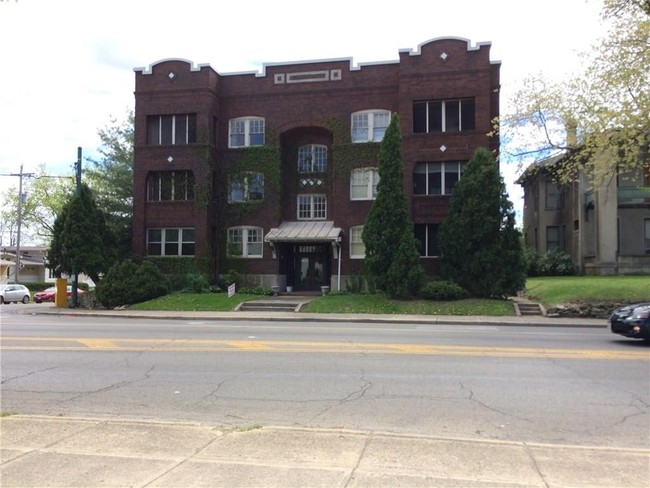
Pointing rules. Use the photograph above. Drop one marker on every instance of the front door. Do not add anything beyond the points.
(311, 267)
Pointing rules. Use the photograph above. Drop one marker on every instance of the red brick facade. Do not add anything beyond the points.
(303, 103)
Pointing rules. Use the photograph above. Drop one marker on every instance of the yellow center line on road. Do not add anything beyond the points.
(207, 345)
(98, 343)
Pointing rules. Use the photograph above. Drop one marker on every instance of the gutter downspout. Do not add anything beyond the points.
(338, 279)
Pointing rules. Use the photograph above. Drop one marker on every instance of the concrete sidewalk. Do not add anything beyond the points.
(65, 452)
(530, 321)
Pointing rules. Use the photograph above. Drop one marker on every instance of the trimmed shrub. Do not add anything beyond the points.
(443, 290)
(533, 262)
(557, 262)
(196, 283)
(126, 283)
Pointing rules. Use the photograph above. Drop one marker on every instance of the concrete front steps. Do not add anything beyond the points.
(524, 308)
(282, 303)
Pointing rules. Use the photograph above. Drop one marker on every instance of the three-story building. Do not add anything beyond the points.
(273, 173)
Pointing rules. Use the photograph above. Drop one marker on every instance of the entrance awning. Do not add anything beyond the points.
(318, 231)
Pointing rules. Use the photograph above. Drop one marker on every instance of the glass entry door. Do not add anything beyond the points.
(311, 267)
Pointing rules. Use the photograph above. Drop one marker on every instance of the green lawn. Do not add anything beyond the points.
(333, 303)
(195, 302)
(548, 290)
(554, 290)
(380, 304)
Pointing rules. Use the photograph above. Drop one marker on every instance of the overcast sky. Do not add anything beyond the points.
(67, 65)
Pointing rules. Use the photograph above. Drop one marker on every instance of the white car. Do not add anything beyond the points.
(14, 293)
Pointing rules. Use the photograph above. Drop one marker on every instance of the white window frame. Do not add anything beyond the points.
(245, 127)
(371, 177)
(367, 121)
(246, 234)
(315, 205)
(246, 187)
(163, 240)
(356, 242)
(315, 166)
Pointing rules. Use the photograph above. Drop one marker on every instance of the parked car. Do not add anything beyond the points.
(14, 293)
(47, 295)
(631, 321)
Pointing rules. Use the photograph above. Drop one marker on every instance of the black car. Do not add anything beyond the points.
(631, 321)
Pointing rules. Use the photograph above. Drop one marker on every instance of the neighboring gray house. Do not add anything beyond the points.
(33, 267)
(604, 227)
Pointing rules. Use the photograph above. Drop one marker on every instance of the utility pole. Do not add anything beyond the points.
(20, 215)
(75, 281)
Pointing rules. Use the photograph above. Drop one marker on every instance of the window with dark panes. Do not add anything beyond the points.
(166, 182)
(436, 178)
(443, 115)
(170, 242)
(187, 246)
(419, 117)
(171, 129)
(154, 242)
(427, 236)
(170, 185)
(552, 237)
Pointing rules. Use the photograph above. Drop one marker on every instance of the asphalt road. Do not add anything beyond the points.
(549, 385)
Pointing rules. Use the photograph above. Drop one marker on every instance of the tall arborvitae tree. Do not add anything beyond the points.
(111, 179)
(392, 260)
(479, 244)
(82, 242)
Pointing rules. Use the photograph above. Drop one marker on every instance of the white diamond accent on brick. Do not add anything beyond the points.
(444, 56)
(443, 148)
(170, 159)
(171, 75)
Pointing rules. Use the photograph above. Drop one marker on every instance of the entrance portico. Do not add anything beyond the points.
(306, 252)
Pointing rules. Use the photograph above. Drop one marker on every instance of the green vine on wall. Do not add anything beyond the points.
(347, 155)
(203, 190)
(266, 160)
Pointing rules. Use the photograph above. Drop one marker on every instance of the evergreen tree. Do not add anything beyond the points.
(479, 244)
(82, 242)
(392, 260)
(111, 179)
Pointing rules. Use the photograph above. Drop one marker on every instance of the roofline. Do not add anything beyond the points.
(262, 72)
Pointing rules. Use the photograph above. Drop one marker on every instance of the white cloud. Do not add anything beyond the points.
(68, 64)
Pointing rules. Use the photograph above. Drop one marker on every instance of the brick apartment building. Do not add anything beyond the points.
(272, 174)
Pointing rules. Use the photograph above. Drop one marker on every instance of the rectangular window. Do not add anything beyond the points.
(171, 129)
(552, 237)
(246, 131)
(246, 187)
(437, 178)
(312, 207)
(427, 236)
(646, 235)
(245, 242)
(360, 127)
(170, 242)
(312, 158)
(237, 133)
(363, 184)
(170, 186)
(553, 200)
(357, 247)
(443, 115)
(369, 125)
